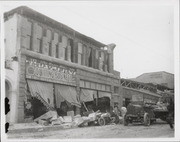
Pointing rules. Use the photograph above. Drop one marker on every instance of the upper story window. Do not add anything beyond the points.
(116, 89)
(80, 52)
(90, 57)
(45, 40)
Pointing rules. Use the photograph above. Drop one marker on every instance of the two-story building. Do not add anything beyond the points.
(50, 66)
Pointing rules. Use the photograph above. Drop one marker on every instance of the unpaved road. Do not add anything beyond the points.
(160, 130)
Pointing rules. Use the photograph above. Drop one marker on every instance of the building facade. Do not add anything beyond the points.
(49, 63)
(162, 78)
(138, 92)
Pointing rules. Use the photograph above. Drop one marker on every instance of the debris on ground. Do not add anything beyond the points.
(52, 118)
(43, 122)
(47, 116)
(57, 121)
(67, 119)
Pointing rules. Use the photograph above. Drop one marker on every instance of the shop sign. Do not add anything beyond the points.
(45, 71)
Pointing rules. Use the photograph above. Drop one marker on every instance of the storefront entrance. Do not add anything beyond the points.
(47, 96)
(93, 100)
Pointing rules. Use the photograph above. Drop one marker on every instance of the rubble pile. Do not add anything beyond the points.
(51, 118)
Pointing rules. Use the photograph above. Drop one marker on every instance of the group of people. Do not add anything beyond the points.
(117, 113)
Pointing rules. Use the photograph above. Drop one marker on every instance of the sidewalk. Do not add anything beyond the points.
(34, 127)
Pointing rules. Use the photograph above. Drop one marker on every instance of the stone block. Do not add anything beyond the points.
(56, 122)
(67, 119)
(43, 122)
(47, 116)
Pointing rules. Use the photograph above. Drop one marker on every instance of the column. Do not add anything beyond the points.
(88, 52)
(61, 51)
(84, 55)
(64, 47)
(75, 51)
(69, 51)
(13, 107)
(36, 37)
(54, 44)
(110, 49)
(46, 42)
(96, 59)
(80, 53)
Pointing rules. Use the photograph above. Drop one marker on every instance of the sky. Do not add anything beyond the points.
(143, 31)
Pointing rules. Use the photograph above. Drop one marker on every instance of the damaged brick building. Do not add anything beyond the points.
(51, 66)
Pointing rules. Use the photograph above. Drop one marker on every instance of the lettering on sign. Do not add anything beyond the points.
(42, 70)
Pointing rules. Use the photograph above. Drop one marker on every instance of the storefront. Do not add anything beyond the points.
(95, 98)
(52, 84)
(58, 68)
(138, 96)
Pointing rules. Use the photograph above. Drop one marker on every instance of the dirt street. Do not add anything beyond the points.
(160, 130)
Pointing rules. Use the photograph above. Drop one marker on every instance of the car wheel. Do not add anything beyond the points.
(101, 121)
(147, 120)
(125, 120)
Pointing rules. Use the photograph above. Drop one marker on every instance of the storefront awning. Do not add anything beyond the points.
(67, 93)
(104, 94)
(87, 95)
(42, 91)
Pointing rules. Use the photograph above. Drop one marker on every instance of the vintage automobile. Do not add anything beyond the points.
(102, 119)
(139, 113)
(147, 113)
(164, 109)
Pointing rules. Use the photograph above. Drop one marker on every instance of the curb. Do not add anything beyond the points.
(39, 129)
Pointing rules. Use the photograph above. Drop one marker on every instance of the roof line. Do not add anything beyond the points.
(26, 11)
(154, 72)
